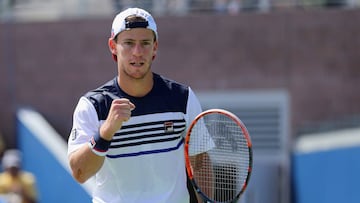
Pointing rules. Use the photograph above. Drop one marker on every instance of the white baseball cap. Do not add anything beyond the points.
(120, 24)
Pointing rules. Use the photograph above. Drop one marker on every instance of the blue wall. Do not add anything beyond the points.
(54, 183)
(327, 176)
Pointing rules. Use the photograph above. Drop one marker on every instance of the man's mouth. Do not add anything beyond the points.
(137, 64)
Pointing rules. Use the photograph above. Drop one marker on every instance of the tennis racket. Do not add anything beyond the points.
(218, 156)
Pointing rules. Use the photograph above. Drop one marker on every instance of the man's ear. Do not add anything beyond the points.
(155, 50)
(112, 46)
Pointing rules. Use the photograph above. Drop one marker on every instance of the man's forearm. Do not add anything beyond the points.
(84, 163)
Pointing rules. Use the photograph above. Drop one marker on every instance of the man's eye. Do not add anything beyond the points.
(128, 43)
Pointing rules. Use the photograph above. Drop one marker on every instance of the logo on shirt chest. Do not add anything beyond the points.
(169, 127)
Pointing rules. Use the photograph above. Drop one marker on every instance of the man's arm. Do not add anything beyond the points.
(203, 172)
(84, 163)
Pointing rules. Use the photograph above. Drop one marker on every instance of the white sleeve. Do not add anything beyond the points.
(193, 107)
(85, 124)
(193, 110)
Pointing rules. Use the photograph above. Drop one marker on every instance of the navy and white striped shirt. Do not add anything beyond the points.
(145, 162)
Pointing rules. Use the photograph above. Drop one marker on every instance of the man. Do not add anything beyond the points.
(17, 185)
(129, 133)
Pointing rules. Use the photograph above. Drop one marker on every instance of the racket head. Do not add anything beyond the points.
(230, 155)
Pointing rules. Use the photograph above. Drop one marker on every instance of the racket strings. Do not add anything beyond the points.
(228, 161)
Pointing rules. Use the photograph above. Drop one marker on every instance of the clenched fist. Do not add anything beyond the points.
(120, 111)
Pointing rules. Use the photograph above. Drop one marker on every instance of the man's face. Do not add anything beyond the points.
(135, 50)
(14, 170)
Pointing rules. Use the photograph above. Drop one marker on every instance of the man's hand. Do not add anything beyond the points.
(120, 111)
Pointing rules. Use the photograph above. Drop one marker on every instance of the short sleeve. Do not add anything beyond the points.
(85, 124)
(202, 137)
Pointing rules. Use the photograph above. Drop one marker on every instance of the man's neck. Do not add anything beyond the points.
(136, 87)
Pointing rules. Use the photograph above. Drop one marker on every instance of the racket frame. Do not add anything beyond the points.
(187, 156)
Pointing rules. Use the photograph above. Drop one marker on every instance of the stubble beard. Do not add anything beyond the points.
(136, 76)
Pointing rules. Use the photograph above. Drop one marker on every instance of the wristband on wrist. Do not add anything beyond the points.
(99, 145)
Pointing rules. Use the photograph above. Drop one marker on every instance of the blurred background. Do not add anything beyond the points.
(290, 69)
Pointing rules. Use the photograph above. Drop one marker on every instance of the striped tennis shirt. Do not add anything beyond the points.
(145, 162)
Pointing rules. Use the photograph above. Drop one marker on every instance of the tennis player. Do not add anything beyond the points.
(129, 133)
